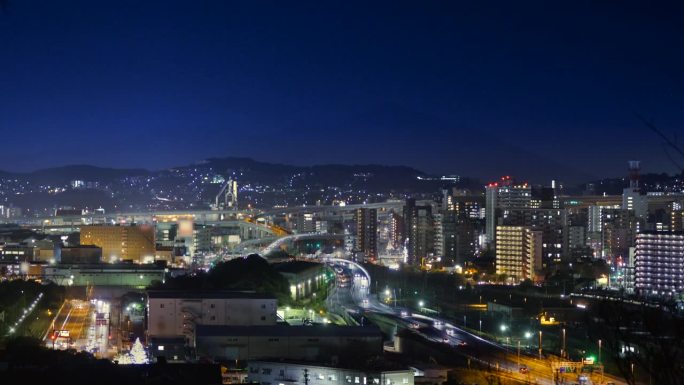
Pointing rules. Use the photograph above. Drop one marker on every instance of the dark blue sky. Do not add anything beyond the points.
(535, 89)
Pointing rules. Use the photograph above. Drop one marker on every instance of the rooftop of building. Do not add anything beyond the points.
(374, 364)
(208, 294)
(110, 266)
(81, 247)
(295, 267)
(288, 331)
(663, 233)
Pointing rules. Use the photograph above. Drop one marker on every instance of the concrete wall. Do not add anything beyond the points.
(167, 315)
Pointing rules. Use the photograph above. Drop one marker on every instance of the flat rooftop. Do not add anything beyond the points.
(287, 331)
(108, 267)
(375, 365)
(208, 294)
(295, 267)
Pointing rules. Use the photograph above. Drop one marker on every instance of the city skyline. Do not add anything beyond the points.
(547, 92)
(334, 193)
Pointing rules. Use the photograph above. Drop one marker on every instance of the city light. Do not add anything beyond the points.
(237, 186)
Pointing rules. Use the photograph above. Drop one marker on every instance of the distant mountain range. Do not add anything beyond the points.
(65, 174)
(195, 185)
(244, 169)
(261, 185)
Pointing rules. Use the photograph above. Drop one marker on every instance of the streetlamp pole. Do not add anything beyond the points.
(563, 352)
(480, 326)
(540, 344)
(464, 321)
(599, 356)
(518, 352)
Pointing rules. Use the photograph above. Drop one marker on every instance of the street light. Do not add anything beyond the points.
(563, 353)
(599, 361)
(540, 344)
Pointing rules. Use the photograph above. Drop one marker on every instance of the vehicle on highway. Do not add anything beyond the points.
(524, 370)
(450, 332)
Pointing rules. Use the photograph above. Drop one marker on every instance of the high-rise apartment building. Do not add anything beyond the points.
(677, 217)
(130, 243)
(396, 230)
(551, 222)
(659, 263)
(367, 232)
(619, 229)
(632, 197)
(504, 195)
(418, 230)
(518, 252)
(458, 238)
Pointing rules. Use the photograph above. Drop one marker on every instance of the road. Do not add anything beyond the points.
(354, 297)
(69, 326)
(80, 325)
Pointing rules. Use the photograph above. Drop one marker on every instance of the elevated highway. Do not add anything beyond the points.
(199, 216)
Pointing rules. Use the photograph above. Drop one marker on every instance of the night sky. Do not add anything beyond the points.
(538, 90)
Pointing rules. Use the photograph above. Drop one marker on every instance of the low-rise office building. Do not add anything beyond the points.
(176, 313)
(88, 254)
(303, 373)
(104, 274)
(304, 277)
(318, 342)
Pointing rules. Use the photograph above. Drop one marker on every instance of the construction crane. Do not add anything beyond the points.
(227, 196)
